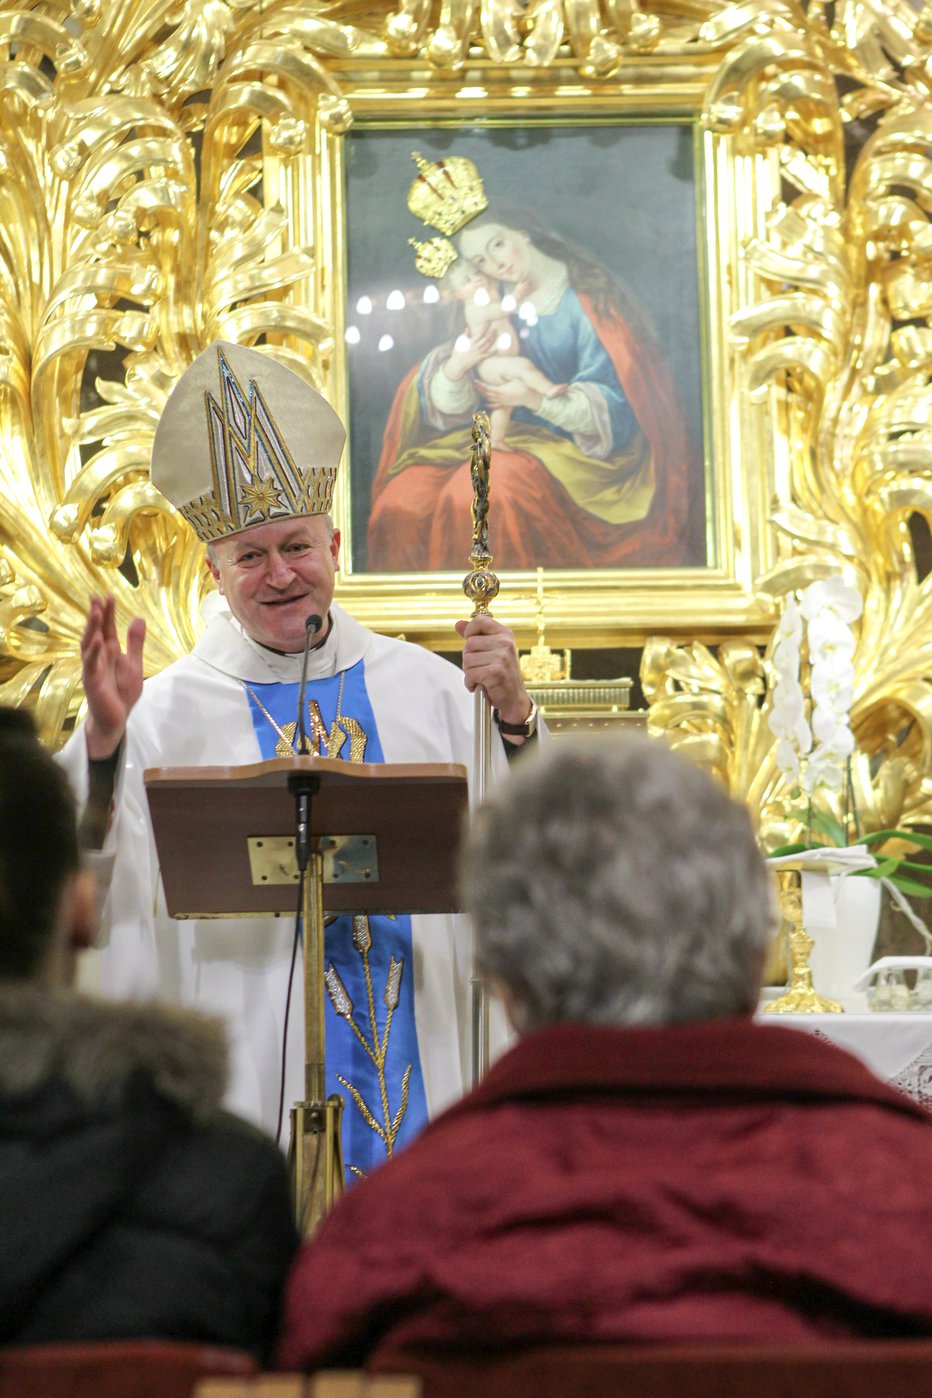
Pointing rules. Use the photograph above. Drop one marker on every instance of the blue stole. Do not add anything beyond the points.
(371, 1034)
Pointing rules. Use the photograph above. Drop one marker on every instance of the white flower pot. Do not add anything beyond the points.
(842, 952)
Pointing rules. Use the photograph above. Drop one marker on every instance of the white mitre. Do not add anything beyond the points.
(243, 441)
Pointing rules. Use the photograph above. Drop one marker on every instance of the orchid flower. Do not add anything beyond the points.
(787, 718)
(829, 607)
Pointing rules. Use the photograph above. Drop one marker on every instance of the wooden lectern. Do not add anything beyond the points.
(382, 839)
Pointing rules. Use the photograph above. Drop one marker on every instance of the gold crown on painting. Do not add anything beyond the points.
(434, 258)
(446, 193)
(255, 478)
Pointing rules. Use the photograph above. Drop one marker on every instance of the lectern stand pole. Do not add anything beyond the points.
(316, 1151)
(226, 838)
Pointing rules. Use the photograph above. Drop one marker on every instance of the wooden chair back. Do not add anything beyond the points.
(116, 1369)
(837, 1369)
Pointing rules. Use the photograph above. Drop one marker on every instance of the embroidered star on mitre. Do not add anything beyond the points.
(261, 497)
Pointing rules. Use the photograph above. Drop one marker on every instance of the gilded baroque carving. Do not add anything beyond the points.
(843, 334)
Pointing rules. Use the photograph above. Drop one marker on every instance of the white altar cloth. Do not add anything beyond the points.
(897, 1047)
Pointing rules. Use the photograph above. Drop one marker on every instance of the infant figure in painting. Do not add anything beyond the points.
(487, 324)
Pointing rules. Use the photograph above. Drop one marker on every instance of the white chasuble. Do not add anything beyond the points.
(397, 1003)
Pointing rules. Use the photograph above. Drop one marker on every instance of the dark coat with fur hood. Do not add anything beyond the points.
(132, 1205)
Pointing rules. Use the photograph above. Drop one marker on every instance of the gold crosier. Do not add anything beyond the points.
(330, 744)
(446, 195)
(481, 587)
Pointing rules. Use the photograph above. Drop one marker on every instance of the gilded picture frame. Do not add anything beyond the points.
(708, 589)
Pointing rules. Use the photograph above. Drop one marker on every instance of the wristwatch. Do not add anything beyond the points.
(527, 729)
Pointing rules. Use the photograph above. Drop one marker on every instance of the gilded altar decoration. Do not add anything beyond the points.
(172, 175)
(540, 664)
(801, 996)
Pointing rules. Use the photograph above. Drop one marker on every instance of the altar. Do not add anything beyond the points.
(896, 1047)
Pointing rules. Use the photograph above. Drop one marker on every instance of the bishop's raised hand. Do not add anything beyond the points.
(112, 677)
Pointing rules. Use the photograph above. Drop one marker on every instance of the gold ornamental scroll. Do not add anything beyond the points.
(481, 587)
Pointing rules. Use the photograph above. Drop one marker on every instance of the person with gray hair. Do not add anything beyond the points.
(647, 1162)
(593, 886)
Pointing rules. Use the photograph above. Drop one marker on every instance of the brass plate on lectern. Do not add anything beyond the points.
(346, 859)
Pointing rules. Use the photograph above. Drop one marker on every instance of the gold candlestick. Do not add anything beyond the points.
(801, 996)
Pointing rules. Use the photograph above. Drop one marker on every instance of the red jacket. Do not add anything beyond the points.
(724, 1181)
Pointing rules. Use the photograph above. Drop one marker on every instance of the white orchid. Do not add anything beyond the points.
(831, 733)
(787, 758)
(832, 688)
(787, 719)
(824, 738)
(786, 657)
(790, 625)
(828, 636)
(834, 596)
(822, 772)
(814, 737)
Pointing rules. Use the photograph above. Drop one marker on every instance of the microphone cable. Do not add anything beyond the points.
(298, 933)
(298, 930)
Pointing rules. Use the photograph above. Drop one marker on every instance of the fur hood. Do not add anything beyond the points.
(95, 1047)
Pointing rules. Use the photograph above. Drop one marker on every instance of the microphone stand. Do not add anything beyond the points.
(312, 625)
(315, 1154)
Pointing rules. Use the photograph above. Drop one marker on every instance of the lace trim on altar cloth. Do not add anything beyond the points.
(914, 1079)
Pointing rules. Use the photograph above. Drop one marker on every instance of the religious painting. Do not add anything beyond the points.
(549, 274)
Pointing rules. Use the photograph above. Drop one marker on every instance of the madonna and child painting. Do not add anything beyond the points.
(564, 304)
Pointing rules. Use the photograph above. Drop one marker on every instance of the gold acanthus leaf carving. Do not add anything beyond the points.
(837, 342)
(134, 230)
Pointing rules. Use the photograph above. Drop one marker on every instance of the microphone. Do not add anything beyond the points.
(312, 625)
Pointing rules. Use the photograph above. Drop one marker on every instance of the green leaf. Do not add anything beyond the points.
(800, 847)
(915, 890)
(921, 841)
(912, 864)
(884, 870)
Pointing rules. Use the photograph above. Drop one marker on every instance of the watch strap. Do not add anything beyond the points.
(517, 730)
